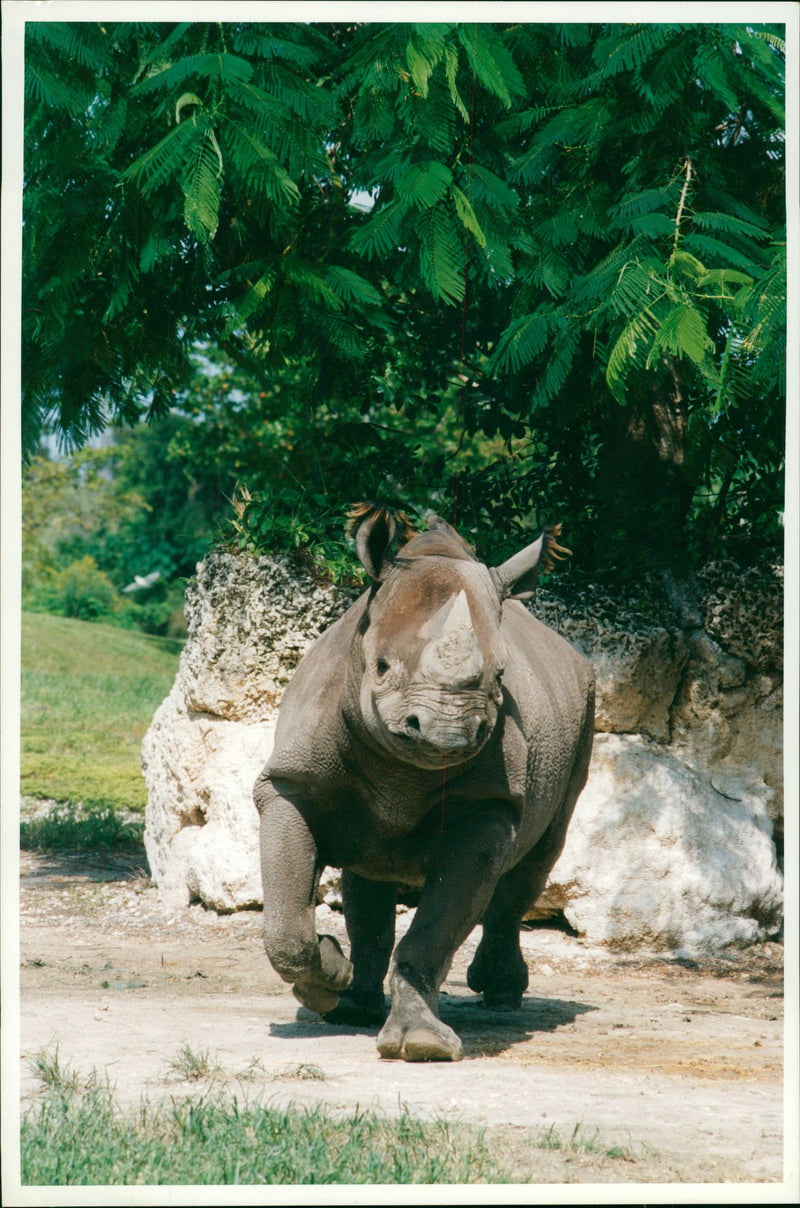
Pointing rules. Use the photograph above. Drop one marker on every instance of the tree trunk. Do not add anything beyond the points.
(644, 492)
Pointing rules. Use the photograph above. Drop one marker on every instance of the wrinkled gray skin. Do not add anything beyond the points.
(437, 735)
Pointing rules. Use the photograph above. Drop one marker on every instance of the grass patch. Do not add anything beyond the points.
(581, 1141)
(191, 1065)
(79, 1137)
(89, 692)
(53, 1075)
(302, 1072)
(69, 828)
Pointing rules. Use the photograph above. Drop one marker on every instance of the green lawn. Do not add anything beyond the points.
(80, 1137)
(89, 692)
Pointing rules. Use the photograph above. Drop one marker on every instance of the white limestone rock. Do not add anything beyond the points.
(201, 827)
(250, 621)
(656, 856)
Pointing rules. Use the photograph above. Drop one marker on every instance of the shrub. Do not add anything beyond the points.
(81, 590)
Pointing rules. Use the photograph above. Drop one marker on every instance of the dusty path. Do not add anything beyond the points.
(671, 1072)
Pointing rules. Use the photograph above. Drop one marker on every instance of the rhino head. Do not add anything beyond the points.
(433, 655)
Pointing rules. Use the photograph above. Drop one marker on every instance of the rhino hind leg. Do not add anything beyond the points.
(498, 969)
(369, 912)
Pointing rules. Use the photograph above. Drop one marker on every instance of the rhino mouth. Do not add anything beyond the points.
(433, 746)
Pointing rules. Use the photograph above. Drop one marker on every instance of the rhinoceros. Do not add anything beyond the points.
(437, 735)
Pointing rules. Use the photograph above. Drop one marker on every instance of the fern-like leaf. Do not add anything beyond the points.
(683, 332)
(548, 270)
(467, 215)
(711, 67)
(708, 249)
(351, 287)
(565, 342)
(451, 75)
(50, 89)
(424, 52)
(491, 190)
(312, 282)
(522, 341)
(423, 185)
(441, 256)
(628, 48)
(224, 67)
(251, 302)
(163, 161)
(260, 167)
(253, 39)
(491, 62)
(201, 207)
(636, 291)
(380, 234)
(728, 224)
(342, 334)
(629, 350)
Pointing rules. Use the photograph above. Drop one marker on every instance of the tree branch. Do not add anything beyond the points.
(682, 202)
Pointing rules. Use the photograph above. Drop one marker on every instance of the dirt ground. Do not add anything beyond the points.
(644, 1068)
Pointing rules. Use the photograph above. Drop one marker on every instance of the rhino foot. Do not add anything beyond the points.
(501, 976)
(367, 1008)
(430, 1040)
(315, 997)
(320, 989)
(504, 1000)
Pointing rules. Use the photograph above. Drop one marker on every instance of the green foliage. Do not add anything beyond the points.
(89, 692)
(95, 521)
(76, 1136)
(66, 828)
(80, 590)
(296, 522)
(574, 247)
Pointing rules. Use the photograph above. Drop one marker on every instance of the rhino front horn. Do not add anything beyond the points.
(452, 654)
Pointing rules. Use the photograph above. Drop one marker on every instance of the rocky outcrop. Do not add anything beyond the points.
(250, 620)
(655, 855)
(672, 840)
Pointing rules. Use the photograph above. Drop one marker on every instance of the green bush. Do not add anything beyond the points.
(81, 591)
(299, 523)
(67, 828)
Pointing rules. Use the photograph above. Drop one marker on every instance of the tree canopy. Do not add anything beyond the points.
(516, 271)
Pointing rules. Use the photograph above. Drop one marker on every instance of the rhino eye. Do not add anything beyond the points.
(381, 666)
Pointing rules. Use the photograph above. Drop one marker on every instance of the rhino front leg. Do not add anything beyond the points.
(472, 852)
(290, 871)
(369, 914)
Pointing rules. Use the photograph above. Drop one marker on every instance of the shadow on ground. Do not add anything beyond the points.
(44, 869)
(482, 1031)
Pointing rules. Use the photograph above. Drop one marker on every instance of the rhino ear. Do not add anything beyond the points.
(373, 528)
(517, 578)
